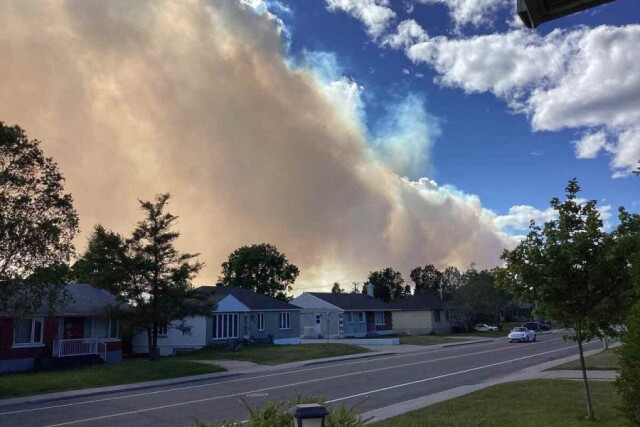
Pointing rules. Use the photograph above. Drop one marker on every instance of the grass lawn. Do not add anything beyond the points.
(265, 354)
(129, 371)
(524, 403)
(603, 361)
(427, 339)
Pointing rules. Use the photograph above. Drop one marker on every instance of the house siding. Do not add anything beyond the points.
(175, 339)
(420, 322)
(329, 321)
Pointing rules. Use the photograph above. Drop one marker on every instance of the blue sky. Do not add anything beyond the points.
(483, 147)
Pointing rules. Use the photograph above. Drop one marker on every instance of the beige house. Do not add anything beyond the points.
(420, 314)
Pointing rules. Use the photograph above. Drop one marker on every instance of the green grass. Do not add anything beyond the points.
(427, 339)
(265, 354)
(525, 404)
(127, 372)
(604, 361)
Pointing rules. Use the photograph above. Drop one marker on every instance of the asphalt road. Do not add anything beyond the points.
(371, 383)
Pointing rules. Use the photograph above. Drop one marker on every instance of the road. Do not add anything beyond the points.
(369, 382)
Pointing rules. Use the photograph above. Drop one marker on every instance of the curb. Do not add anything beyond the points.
(73, 394)
(468, 343)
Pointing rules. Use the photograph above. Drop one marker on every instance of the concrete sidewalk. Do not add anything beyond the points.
(532, 373)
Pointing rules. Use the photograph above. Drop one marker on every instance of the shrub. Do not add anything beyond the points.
(280, 414)
(629, 380)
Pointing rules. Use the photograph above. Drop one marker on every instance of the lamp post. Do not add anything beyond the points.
(310, 415)
(535, 12)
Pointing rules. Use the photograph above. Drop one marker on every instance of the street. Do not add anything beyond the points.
(370, 382)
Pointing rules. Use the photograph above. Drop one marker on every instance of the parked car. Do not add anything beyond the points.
(483, 327)
(536, 326)
(521, 334)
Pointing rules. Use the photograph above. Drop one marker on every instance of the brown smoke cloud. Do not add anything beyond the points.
(195, 98)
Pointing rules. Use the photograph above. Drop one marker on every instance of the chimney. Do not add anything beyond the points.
(370, 289)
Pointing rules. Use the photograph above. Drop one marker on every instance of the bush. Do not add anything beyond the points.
(280, 414)
(629, 380)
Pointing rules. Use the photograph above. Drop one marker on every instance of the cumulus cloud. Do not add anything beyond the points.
(198, 99)
(590, 145)
(519, 217)
(579, 78)
(471, 12)
(374, 14)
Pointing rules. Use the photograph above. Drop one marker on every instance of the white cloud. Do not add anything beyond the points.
(590, 145)
(580, 78)
(520, 216)
(471, 12)
(374, 14)
(406, 72)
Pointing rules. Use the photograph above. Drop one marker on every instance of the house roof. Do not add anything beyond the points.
(87, 299)
(420, 302)
(355, 302)
(253, 300)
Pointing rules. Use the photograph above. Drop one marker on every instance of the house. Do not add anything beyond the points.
(80, 331)
(330, 315)
(240, 314)
(420, 314)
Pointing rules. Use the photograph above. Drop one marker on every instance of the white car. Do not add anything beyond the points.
(485, 328)
(522, 335)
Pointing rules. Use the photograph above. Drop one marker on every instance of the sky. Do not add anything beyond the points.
(352, 134)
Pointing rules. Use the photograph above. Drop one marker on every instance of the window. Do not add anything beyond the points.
(261, 321)
(100, 327)
(285, 320)
(379, 318)
(437, 315)
(361, 316)
(350, 317)
(163, 328)
(28, 331)
(225, 326)
(318, 319)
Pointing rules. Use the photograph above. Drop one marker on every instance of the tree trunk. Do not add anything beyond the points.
(590, 413)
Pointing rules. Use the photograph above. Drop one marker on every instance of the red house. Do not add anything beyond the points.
(81, 330)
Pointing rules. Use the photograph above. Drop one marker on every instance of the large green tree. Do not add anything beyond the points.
(570, 267)
(427, 279)
(37, 223)
(147, 272)
(260, 268)
(336, 289)
(388, 285)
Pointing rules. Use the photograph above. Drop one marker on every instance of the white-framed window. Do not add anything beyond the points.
(28, 331)
(225, 326)
(350, 317)
(285, 320)
(318, 319)
(361, 316)
(261, 321)
(100, 327)
(379, 318)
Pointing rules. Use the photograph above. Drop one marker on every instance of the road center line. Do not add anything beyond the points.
(209, 399)
(148, 393)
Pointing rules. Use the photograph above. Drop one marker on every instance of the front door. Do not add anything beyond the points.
(245, 330)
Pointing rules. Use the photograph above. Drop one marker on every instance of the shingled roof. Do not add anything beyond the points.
(252, 300)
(420, 302)
(352, 302)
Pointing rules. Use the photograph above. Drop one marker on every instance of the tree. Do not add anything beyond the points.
(336, 289)
(147, 272)
(451, 281)
(427, 279)
(37, 222)
(260, 268)
(628, 238)
(355, 289)
(388, 285)
(570, 268)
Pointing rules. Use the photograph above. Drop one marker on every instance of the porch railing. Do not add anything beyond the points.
(80, 347)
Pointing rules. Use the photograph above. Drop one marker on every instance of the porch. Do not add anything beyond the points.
(83, 347)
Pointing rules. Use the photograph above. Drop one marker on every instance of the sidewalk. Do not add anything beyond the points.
(531, 373)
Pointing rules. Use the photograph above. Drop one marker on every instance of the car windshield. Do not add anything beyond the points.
(519, 330)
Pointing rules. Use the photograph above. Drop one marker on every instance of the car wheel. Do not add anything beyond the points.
(527, 338)
(534, 338)
(510, 341)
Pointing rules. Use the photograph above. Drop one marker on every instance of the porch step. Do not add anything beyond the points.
(58, 363)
